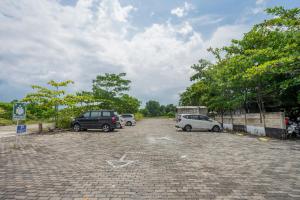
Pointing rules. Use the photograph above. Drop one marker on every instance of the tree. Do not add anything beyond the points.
(261, 68)
(47, 101)
(127, 104)
(153, 108)
(108, 87)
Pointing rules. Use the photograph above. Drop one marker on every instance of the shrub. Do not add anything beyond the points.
(64, 122)
(138, 116)
(5, 122)
(171, 114)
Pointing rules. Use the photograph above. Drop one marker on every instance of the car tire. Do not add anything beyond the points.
(187, 128)
(77, 127)
(216, 129)
(128, 124)
(106, 128)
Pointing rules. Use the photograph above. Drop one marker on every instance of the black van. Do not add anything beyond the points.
(96, 119)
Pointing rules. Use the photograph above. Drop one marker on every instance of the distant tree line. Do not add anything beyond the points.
(261, 71)
(154, 109)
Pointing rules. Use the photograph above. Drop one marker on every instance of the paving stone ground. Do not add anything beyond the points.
(149, 161)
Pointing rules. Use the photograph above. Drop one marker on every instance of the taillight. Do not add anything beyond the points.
(114, 119)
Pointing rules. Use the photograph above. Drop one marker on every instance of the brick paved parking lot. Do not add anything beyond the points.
(149, 161)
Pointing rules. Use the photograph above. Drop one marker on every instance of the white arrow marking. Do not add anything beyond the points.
(119, 163)
(166, 138)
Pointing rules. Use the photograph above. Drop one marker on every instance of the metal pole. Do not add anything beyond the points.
(17, 132)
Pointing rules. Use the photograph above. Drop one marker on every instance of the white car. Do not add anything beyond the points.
(189, 122)
(129, 119)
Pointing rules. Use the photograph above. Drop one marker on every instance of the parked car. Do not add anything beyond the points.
(189, 122)
(129, 119)
(120, 122)
(96, 119)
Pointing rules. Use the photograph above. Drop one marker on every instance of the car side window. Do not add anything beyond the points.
(105, 114)
(193, 117)
(95, 114)
(87, 114)
(203, 118)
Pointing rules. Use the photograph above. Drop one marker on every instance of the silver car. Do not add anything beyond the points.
(129, 119)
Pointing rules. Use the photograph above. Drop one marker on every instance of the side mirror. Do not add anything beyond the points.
(81, 116)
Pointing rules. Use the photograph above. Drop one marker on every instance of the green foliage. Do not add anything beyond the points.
(127, 104)
(154, 109)
(110, 85)
(66, 116)
(108, 92)
(171, 114)
(44, 101)
(5, 122)
(6, 110)
(261, 68)
(138, 116)
(2, 111)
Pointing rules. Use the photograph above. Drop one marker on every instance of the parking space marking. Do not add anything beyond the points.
(120, 163)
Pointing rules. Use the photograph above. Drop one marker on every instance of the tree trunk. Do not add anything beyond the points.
(263, 113)
(231, 117)
(245, 116)
(56, 115)
(40, 128)
(222, 118)
(260, 110)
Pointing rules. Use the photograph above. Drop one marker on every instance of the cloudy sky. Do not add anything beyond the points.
(154, 41)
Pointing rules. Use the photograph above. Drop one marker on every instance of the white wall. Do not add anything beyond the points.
(256, 130)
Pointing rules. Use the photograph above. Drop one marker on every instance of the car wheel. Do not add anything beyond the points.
(216, 129)
(188, 128)
(106, 128)
(128, 124)
(76, 127)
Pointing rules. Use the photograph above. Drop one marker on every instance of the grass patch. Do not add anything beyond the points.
(5, 122)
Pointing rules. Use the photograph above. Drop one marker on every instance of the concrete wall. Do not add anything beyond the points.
(192, 110)
(252, 123)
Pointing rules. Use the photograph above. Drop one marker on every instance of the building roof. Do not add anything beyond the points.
(190, 107)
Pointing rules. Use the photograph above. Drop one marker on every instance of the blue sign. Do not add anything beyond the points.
(21, 129)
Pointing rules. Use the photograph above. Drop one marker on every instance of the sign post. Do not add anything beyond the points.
(19, 113)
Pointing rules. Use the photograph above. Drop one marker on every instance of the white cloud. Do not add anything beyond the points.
(206, 20)
(182, 11)
(258, 2)
(260, 7)
(43, 40)
(257, 10)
